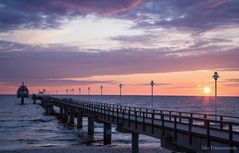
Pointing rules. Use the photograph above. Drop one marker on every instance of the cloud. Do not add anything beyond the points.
(197, 16)
(147, 84)
(233, 80)
(54, 82)
(15, 14)
(65, 62)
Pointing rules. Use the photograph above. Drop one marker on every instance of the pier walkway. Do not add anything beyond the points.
(178, 131)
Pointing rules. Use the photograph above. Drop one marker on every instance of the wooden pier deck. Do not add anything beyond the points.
(178, 131)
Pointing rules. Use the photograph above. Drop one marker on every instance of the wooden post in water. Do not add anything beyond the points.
(65, 115)
(49, 109)
(91, 127)
(135, 142)
(79, 120)
(22, 100)
(72, 116)
(60, 116)
(107, 133)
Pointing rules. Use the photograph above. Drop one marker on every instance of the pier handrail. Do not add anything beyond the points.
(156, 113)
(161, 124)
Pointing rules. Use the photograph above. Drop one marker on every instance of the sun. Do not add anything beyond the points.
(207, 90)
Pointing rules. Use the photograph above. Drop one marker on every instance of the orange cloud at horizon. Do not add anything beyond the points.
(175, 83)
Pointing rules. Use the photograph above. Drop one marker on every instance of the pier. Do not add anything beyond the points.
(178, 131)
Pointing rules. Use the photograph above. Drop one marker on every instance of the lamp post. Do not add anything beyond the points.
(152, 93)
(101, 90)
(88, 91)
(120, 86)
(79, 91)
(67, 91)
(215, 76)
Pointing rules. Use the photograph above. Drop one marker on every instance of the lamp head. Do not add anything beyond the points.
(120, 85)
(152, 83)
(215, 76)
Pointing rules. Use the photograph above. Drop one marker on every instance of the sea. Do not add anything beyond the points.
(28, 127)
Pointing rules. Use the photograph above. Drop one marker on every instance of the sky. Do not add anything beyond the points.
(72, 44)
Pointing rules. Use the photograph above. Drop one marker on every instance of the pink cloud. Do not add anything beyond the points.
(105, 7)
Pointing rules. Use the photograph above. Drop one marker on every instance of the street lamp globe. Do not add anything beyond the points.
(215, 76)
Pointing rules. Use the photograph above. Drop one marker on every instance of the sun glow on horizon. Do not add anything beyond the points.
(207, 90)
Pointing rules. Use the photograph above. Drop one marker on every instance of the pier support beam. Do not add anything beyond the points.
(91, 126)
(61, 113)
(34, 98)
(49, 109)
(65, 115)
(135, 142)
(79, 120)
(22, 100)
(107, 133)
(72, 116)
(34, 101)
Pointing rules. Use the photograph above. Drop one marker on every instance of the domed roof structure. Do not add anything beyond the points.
(22, 91)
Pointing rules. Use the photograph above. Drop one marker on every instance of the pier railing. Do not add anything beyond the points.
(199, 119)
(224, 129)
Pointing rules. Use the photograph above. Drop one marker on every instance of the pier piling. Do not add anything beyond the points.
(135, 142)
(79, 120)
(90, 126)
(49, 109)
(107, 133)
(72, 116)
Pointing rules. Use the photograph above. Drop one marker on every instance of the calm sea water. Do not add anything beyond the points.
(26, 126)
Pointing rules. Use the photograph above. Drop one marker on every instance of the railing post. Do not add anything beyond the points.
(175, 128)
(180, 117)
(208, 134)
(162, 120)
(135, 119)
(230, 137)
(129, 114)
(190, 131)
(191, 115)
(113, 113)
(123, 115)
(170, 115)
(117, 114)
(152, 122)
(108, 107)
(221, 122)
(205, 120)
(104, 112)
(143, 121)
